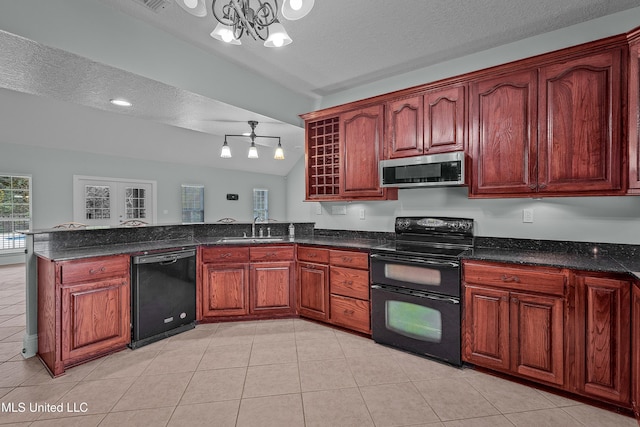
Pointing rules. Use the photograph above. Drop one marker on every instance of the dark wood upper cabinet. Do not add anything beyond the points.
(554, 130)
(361, 139)
(555, 124)
(580, 124)
(426, 123)
(404, 136)
(444, 120)
(634, 114)
(503, 134)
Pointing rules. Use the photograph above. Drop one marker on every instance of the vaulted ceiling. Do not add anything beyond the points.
(339, 46)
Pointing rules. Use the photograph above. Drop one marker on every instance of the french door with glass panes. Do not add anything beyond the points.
(111, 202)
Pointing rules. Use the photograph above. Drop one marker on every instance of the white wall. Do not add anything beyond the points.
(590, 219)
(52, 173)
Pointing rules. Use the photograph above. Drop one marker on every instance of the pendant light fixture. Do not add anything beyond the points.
(253, 150)
(258, 18)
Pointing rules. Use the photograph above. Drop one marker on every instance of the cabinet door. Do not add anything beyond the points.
(580, 124)
(361, 148)
(404, 136)
(635, 350)
(503, 113)
(634, 117)
(313, 292)
(537, 337)
(444, 120)
(486, 327)
(95, 318)
(603, 334)
(225, 290)
(271, 288)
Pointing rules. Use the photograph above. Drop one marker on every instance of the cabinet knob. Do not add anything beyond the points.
(348, 283)
(514, 300)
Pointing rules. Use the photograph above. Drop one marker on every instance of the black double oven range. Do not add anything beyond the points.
(416, 287)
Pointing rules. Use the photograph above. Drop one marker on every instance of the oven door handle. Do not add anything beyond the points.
(414, 260)
(418, 294)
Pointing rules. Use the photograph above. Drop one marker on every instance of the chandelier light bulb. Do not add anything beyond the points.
(226, 36)
(295, 4)
(192, 4)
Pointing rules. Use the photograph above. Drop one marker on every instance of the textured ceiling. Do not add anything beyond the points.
(340, 45)
(346, 43)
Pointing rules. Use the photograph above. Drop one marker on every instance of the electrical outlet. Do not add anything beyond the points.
(527, 215)
(362, 213)
(318, 209)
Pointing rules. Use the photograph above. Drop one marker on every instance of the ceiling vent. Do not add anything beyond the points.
(155, 5)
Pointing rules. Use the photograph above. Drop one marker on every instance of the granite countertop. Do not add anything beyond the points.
(598, 261)
(141, 247)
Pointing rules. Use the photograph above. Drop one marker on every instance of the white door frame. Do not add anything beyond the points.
(78, 194)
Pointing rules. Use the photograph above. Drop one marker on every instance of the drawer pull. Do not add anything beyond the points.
(347, 259)
(312, 255)
(510, 279)
(225, 255)
(97, 270)
(348, 312)
(348, 283)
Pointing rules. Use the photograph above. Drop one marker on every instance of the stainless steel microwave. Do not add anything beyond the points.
(434, 170)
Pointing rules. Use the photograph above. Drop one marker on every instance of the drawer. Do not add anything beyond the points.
(350, 313)
(311, 254)
(272, 253)
(227, 254)
(349, 259)
(94, 269)
(536, 279)
(349, 282)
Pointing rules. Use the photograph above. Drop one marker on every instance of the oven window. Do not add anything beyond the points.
(413, 274)
(414, 321)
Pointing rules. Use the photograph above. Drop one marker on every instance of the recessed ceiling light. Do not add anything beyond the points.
(120, 102)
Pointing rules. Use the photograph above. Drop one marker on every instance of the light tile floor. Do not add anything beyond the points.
(268, 373)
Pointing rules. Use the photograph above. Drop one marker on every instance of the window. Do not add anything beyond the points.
(192, 203)
(15, 210)
(261, 205)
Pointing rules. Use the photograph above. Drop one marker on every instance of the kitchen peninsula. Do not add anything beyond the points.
(598, 272)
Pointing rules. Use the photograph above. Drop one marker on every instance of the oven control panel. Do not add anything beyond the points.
(425, 225)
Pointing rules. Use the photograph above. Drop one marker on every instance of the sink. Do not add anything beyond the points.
(251, 239)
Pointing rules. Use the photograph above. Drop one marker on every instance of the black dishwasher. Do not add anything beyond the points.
(163, 295)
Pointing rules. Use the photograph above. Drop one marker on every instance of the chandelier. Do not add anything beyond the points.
(253, 150)
(258, 18)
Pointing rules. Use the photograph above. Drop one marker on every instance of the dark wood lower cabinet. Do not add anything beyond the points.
(225, 290)
(603, 334)
(313, 290)
(580, 335)
(635, 349)
(83, 310)
(515, 332)
(271, 289)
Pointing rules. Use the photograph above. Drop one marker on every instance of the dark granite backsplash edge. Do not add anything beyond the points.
(86, 238)
(380, 236)
(569, 247)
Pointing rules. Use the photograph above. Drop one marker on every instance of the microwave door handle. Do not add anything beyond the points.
(453, 264)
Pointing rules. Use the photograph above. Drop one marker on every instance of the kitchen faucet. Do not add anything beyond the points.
(253, 227)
